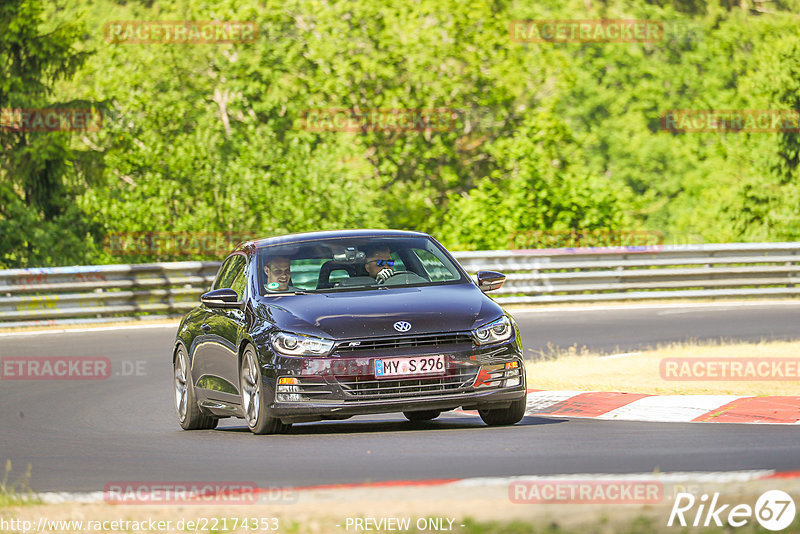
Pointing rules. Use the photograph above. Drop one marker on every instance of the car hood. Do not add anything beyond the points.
(372, 313)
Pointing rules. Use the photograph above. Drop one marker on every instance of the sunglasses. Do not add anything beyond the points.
(382, 263)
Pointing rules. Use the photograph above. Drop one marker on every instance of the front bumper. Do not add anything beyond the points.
(341, 386)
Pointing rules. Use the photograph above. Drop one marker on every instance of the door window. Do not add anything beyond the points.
(232, 275)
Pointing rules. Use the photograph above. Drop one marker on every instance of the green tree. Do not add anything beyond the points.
(549, 137)
(767, 201)
(39, 171)
(539, 185)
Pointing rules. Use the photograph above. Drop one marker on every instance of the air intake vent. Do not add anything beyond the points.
(369, 388)
(427, 340)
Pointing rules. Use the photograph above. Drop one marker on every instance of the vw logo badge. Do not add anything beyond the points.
(402, 326)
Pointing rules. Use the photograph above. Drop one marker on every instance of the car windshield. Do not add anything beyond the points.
(348, 264)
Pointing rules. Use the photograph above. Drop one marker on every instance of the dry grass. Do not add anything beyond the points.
(16, 493)
(639, 372)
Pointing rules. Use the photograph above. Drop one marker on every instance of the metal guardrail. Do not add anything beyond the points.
(103, 292)
(51, 295)
(637, 273)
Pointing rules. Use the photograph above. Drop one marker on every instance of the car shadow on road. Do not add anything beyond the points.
(372, 426)
(534, 420)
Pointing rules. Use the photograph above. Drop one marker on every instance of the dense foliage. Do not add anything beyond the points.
(546, 137)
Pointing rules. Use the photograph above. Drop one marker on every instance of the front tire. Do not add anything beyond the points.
(189, 414)
(505, 416)
(253, 401)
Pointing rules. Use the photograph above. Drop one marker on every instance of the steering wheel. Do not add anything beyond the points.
(395, 273)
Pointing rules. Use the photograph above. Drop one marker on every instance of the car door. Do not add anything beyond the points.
(218, 360)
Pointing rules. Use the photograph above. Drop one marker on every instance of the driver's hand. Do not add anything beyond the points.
(384, 275)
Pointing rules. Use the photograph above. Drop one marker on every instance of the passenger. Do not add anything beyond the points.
(279, 274)
(379, 263)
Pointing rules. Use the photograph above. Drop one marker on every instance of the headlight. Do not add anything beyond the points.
(494, 332)
(295, 345)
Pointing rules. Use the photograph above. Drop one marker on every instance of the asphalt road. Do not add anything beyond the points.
(628, 328)
(82, 435)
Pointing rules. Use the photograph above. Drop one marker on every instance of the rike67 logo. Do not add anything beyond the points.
(774, 510)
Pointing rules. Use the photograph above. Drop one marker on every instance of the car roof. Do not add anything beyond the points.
(328, 234)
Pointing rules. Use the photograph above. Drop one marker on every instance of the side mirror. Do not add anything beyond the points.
(220, 298)
(490, 280)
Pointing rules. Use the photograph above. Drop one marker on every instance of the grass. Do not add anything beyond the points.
(16, 493)
(637, 525)
(640, 524)
(639, 372)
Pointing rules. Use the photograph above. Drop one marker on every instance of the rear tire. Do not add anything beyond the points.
(426, 415)
(505, 416)
(253, 401)
(189, 414)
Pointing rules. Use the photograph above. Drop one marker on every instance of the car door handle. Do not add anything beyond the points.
(205, 327)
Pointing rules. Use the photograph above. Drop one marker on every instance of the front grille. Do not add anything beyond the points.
(363, 388)
(405, 342)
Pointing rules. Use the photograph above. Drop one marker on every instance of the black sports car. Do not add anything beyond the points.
(328, 325)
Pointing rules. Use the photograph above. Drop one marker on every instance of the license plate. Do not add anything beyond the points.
(417, 366)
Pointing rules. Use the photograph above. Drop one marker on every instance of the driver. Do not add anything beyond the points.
(279, 272)
(379, 263)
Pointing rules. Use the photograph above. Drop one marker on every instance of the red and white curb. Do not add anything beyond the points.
(665, 408)
(671, 477)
